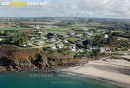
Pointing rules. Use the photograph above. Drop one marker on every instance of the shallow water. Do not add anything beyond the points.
(49, 80)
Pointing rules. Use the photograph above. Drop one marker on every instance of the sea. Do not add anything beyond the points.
(49, 80)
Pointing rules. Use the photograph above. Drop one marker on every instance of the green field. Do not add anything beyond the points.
(62, 29)
(57, 30)
(118, 31)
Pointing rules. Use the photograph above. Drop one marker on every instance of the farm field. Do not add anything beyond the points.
(13, 28)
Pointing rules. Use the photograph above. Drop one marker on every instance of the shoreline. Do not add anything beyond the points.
(116, 72)
(120, 85)
(103, 71)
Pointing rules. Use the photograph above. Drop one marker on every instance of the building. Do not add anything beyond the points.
(29, 43)
(65, 41)
(52, 46)
(72, 47)
(60, 45)
(72, 33)
(124, 39)
(106, 36)
(3, 39)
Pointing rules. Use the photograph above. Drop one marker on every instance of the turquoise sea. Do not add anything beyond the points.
(49, 80)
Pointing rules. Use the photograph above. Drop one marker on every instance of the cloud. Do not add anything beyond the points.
(75, 8)
(107, 8)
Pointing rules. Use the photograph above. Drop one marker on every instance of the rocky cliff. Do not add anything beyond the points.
(14, 58)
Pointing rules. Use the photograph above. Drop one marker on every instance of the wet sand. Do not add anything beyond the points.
(111, 70)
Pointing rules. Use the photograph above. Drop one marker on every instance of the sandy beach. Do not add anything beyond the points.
(114, 71)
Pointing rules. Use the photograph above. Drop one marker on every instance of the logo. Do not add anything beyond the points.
(23, 3)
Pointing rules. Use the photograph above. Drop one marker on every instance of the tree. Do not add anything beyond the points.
(20, 42)
(97, 40)
(95, 53)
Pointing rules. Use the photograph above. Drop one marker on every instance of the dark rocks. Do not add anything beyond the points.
(2, 69)
(6, 62)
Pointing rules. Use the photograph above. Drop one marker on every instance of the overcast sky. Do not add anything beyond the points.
(70, 8)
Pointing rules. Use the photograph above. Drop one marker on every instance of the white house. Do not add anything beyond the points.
(29, 43)
(65, 41)
(102, 49)
(72, 47)
(38, 43)
(32, 38)
(80, 50)
(106, 36)
(60, 45)
(43, 38)
(72, 33)
(24, 45)
(78, 35)
(52, 46)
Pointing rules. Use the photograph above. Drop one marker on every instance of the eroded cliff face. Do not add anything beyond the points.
(18, 59)
(13, 58)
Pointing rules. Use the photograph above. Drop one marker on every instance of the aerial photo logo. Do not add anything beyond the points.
(23, 3)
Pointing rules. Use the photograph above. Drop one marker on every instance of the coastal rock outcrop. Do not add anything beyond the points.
(17, 59)
(14, 58)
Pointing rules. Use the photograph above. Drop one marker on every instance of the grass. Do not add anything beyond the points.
(55, 55)
(73, 39)
(57, 29)
(62, 29)
(119, 31)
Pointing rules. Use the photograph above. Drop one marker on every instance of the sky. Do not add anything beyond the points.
(70, 8)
